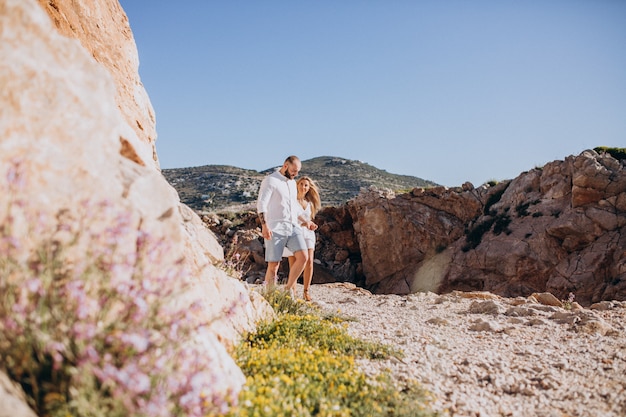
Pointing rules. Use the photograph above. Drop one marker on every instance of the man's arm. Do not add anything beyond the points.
(265, 192)
(265, 230)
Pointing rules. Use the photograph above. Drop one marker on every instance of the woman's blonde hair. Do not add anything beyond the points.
(312, 196)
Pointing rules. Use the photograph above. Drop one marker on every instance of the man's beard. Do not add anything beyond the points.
(288, 175)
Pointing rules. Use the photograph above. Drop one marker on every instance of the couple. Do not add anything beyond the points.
(286, 210)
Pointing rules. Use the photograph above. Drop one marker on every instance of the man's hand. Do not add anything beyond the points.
(266, 232)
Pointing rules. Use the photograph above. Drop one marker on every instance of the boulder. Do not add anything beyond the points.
(12, 399)
(77, 129)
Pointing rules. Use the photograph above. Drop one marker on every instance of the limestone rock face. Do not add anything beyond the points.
(76, 126)
(102, 28)
(12, 401)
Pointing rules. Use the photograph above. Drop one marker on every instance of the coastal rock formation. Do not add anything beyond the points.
(560, 229)
(565, 234)
(77, 132)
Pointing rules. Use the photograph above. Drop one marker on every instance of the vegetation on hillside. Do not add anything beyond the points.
(617, 153)
(216, 187)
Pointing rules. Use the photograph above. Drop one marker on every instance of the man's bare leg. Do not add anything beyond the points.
(296, 268)
(271, 274)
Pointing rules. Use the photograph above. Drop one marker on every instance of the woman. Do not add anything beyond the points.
(309, 199)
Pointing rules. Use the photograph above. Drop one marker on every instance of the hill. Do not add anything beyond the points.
(222, 187)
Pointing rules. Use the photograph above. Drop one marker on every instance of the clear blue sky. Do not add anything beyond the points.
(449, 91)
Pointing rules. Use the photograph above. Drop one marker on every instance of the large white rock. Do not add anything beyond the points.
(12, 403)
(60, 121)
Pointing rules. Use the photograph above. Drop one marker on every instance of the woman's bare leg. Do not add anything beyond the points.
(308, 275)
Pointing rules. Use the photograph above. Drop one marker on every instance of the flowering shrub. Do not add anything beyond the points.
(303, 364)
(283, 303)
(88, 320)
(567, 304)
(323, 333)
(234, 263)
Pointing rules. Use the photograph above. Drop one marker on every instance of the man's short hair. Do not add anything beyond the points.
(291, 159)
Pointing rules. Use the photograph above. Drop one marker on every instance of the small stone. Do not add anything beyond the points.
(438, 321)
(485, 307)
(602, 306)
(547, 298)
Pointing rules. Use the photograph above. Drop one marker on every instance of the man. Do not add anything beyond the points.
(281, 219)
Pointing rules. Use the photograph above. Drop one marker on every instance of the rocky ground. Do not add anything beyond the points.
(483, 355)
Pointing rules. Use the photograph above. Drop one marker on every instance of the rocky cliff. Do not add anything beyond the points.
(560, 228)
(77, 132)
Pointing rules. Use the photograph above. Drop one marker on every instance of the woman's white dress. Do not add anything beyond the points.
(309, 235)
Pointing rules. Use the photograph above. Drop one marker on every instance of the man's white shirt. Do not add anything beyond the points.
(278, 200)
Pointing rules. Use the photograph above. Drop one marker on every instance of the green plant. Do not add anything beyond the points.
(617, 153)
(501, 224)
(321, 333)
(522, 208)
(474, 235)
(494, 198)
(89, 318)
(567, 304)
(305, 365)
(234, 263)
(283, 303)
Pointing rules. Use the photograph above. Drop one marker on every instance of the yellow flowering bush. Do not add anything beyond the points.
(282, 303)
(323, 333)
(304, 365)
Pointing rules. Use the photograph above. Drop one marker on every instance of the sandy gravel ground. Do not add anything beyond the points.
(482, 355)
